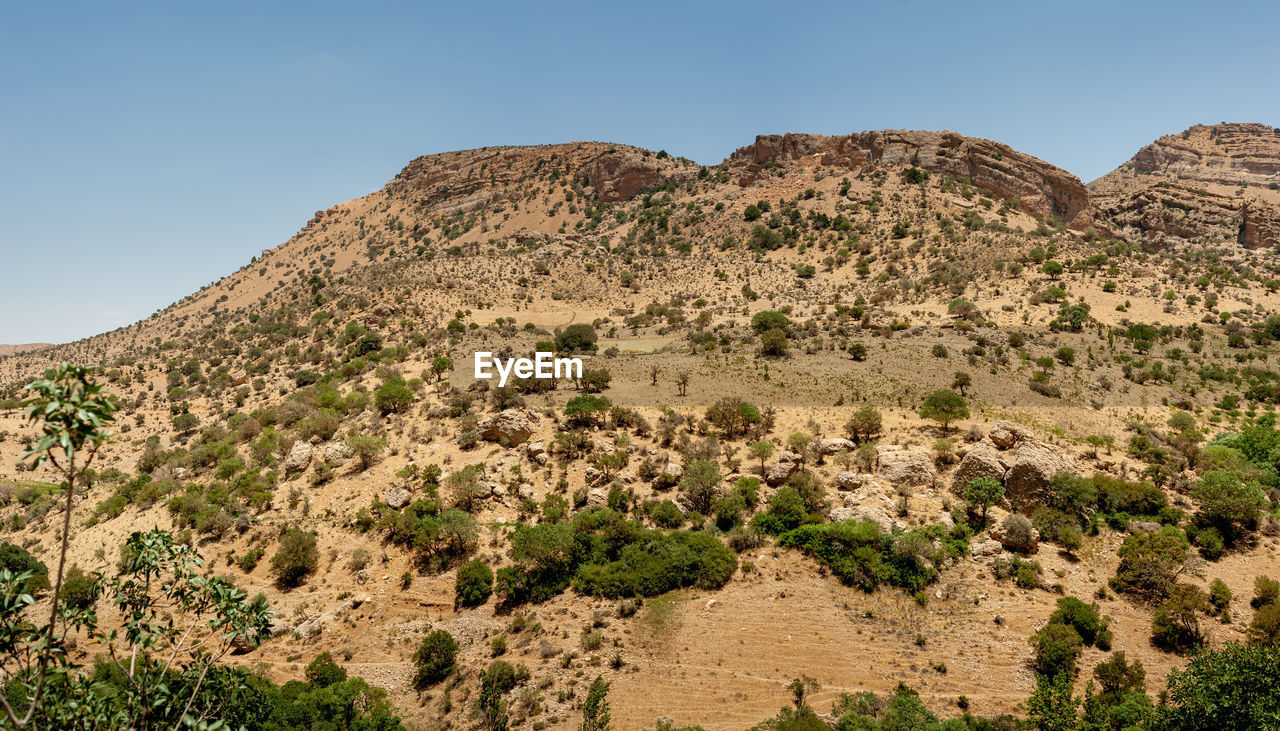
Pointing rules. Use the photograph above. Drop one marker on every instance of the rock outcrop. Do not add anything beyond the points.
(1208, 183)
(905, 465)
(787, 465)
(1032, 467)
(509, 428)
(982, 460)
(1041, 188)
(298, 459)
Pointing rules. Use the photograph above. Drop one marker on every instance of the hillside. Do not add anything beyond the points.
(812, 293)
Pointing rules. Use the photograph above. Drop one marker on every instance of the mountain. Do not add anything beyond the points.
(772, 345)
(1207, 184)
(24, 348)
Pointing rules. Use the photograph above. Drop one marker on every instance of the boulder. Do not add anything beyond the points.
(509, 428)
(1005, 434)
(835, 446)
(336, 453)
(397, 497)
(783, 469)
(1144, 526)
(981, 461)
(986, 548)
(597, 498)
(671, 473)
(906, 465)
(299, 458)
(1034, 465)
(854, 480)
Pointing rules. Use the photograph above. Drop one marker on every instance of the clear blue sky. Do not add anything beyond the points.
(149, 149)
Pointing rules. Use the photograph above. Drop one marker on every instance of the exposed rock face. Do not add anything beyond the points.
(982, 460)
(336, 453)
(854, 480)
(835, 446)
(1041, 188)
(397, 498)
(906, 465)
(509, 428)
(1174, 212)
(1231, 154)
(466, 180)
(1174, 190)
(1034, 465)
(1005, 434)
(299, 458)
(617, 176)
(782, 470)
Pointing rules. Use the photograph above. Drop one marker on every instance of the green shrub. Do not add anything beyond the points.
(1219, 595)
(473, 584)
(434, 659)
(295, 558)
(1056, 648)
(1175, 625)
(666, 515)
(861, 555)
(1150, 562)
(323, 671)
(17, 559)
(79, 590)
(1081, 617)
(1265, 591)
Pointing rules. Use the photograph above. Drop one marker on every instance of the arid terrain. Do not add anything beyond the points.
(1107, 343)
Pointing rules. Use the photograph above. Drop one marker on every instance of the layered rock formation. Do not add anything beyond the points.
(1208, 184)
(1041, 188)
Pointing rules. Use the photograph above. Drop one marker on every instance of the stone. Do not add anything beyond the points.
(597, 498)
(1034, 465)
(397, 497)
(906, 465)
(782, 470)
(854, 480)
(986, 548)
(671, 473)
(1005, 434)
(862, 512)
(1144, 526)
(835, 446)
(980, 461)
(336, 453)
(299, 458)
(508, 428)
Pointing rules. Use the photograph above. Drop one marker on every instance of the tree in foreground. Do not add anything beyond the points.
(72, 412)
(1232, 688)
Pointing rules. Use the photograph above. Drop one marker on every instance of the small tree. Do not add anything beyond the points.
(682, 382)
(761, 450)
(440, 365)
(393, 396)
(699, 482)
(72, 412)
(961, 381)
(984, 492)
(944, 406)
(865, 424)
